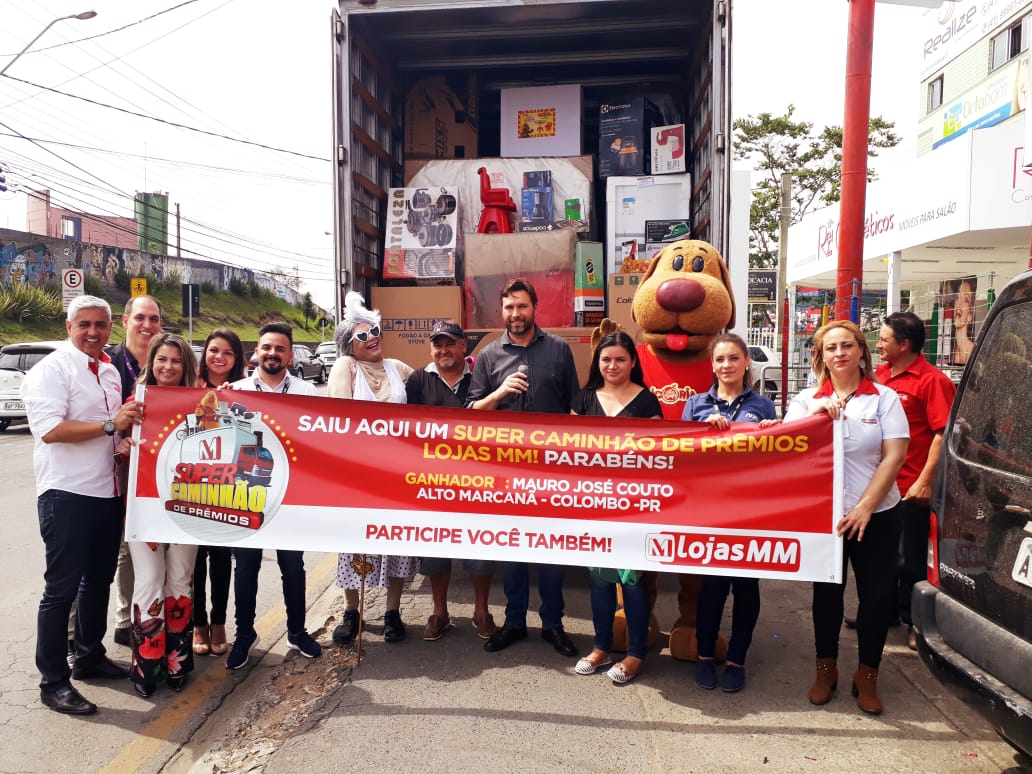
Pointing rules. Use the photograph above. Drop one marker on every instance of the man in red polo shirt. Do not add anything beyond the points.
(927, 395)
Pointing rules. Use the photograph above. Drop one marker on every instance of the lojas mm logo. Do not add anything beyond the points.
(222, 471)
(741, 552)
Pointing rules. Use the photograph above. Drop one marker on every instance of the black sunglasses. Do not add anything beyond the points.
(364, 336)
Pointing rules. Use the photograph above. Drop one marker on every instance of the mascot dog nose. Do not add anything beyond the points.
(680, 295)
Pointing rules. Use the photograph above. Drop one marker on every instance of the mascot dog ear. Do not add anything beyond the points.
(604, 328)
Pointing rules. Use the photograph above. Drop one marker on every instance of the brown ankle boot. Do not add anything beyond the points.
(825, 683)
(865, 688)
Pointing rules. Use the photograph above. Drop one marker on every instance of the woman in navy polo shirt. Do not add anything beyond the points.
(729, 400)
(875, 435)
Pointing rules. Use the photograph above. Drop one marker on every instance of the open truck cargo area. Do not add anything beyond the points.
(428, 79)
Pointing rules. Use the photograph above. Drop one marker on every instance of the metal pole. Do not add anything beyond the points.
(84, 15)
(179, 241)
(859, 52)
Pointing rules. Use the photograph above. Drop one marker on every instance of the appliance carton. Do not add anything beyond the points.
(541, 121)
(422, 234)
(409, 314)
(624, 136)
(589, 294)
(668, 150)
(441, 115)
(621, 289)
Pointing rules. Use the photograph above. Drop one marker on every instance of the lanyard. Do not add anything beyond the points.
(259, 385)
(129, 366)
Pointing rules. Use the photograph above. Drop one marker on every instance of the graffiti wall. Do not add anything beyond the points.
(34, 260)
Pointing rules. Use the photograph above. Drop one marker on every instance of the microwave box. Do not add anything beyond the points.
(541, 121)
(668, 150)
(409, 314)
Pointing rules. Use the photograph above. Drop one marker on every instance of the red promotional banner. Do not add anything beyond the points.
(285, 471)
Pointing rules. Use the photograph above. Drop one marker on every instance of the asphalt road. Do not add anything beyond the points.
(449, 706)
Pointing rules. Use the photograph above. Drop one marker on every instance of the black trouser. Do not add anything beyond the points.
(81, 536)
(913, 552)
(220, 559)
(874, 565)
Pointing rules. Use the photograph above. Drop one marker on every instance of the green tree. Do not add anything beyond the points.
(307, 308)
(777, 144)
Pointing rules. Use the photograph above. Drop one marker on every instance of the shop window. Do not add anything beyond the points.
(934, 94)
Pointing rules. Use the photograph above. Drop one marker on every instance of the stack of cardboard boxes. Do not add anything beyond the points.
(448, 270)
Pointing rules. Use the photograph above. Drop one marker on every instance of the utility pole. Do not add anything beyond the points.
(179, 245)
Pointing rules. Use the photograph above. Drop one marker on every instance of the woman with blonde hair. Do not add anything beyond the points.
(875, 434)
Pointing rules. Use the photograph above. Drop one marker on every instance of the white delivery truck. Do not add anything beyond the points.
(382, 48)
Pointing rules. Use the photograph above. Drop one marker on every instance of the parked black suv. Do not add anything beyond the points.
(973, 617)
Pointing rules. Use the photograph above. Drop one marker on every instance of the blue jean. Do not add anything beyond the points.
(516, 584)
(81, 536)
(744, 615)
(245, 587)
(636, 608)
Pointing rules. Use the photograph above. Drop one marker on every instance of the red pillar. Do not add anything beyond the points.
(859, 50)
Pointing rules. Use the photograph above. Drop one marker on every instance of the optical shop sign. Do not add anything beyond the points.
(284, 471)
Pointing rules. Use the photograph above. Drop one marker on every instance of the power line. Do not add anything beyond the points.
(169, 123)
(109, 32)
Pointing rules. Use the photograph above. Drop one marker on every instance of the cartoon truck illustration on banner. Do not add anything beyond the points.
(224, 435)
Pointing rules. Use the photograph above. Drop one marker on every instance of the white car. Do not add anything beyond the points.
(15, 361)
(762, 357)
(327, 352)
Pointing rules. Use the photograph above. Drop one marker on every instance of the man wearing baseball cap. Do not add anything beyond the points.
(445, 382)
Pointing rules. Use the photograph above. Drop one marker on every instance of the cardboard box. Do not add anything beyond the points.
(667, 230)
(589, 294)
(578, 338)
(541, 121)
(409, 314)
(537, 205)
(621, 289)
(625, 136)
(441, 117)
(546, 260)
(668, 150)
(422, 234)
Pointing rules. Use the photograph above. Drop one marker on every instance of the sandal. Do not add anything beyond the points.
(621, 673)
(592, 662)
(201, 641)
(219, 646)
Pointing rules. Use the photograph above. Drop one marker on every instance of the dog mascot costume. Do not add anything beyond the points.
(683, 301)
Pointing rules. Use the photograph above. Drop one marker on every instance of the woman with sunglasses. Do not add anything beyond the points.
(361, 372)
(222, 361)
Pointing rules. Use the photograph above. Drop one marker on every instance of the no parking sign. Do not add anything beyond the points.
(72, 281)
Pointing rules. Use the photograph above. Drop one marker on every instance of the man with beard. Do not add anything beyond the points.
(526, 369)
(142, 321)
(72, 401)
(445, 382)
(275, 355)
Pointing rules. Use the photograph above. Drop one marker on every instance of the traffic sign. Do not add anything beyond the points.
(72, 281)
(138, 286)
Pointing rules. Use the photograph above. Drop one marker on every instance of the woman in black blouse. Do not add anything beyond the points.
(616, 388)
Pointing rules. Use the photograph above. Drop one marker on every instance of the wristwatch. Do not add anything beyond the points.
(109, 427)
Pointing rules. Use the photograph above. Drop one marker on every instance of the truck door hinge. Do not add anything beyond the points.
(342, 156)
(722, 11)
(340, 31)
(719, 143)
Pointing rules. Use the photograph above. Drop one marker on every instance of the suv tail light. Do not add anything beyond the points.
(933, 550)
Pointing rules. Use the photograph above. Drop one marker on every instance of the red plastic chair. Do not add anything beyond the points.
(494, 218)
